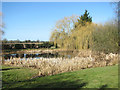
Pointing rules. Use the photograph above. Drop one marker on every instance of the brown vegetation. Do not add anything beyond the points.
(51, 66)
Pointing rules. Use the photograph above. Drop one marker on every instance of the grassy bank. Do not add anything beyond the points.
(13, 51)
(101, 77)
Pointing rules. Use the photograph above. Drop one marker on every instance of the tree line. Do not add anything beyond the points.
(80, 33)
(18, 41)
(24, 45)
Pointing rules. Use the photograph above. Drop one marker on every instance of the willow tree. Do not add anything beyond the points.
(82, 31)
(82, 36)
(55, 37)
(68, 36)
(62, 31)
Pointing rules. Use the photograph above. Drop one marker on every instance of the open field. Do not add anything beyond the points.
(100, 77)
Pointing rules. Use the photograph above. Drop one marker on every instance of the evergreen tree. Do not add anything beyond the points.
(84, 18)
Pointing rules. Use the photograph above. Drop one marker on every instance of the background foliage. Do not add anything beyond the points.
(82, 33)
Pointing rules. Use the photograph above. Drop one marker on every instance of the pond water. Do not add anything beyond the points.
(65, 54)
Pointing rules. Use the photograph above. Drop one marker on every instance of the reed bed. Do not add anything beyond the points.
(51, 66)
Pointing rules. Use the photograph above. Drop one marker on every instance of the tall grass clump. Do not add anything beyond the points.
(51, 66)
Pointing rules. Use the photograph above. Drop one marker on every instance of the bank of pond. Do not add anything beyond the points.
(63, 54)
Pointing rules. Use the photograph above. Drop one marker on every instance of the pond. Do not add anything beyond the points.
(63, 54)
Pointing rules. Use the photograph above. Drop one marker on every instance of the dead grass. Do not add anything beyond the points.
(51, 66)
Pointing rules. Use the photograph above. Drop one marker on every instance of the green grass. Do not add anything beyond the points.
(101, 77)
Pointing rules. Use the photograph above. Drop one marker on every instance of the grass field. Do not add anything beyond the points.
(101, 77)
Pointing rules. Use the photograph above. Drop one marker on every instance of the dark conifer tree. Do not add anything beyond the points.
(84, 18)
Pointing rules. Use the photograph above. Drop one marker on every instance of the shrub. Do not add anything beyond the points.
(105, 38)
